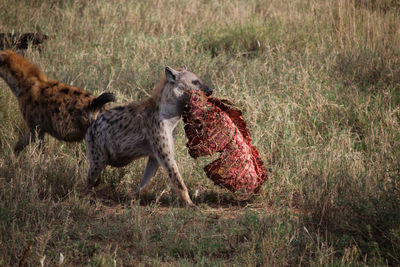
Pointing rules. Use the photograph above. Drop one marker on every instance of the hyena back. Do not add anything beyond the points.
(143, 129)
(49, 106)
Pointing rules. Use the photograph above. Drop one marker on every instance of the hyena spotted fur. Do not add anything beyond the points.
(49, 106)
(144, 129)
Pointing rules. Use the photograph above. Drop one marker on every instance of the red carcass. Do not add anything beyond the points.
(214, 125)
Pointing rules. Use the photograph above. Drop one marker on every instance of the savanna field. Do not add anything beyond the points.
(318, 82)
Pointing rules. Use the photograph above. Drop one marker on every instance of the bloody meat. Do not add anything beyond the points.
(215, 125)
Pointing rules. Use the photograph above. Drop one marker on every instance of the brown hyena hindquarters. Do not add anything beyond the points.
(48, 106)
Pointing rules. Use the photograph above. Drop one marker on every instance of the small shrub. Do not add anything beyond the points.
(248, 39)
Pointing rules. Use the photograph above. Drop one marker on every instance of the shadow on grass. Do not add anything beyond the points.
(367, 68)
(109, 197)
(355, 214)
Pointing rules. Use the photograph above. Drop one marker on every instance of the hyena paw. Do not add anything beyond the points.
(91, 184)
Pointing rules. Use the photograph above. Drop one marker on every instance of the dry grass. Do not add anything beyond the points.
(319, 85)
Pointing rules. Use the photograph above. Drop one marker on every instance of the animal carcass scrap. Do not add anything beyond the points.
(215, 125)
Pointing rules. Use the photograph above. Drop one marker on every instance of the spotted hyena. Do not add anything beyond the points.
(48, 106)
(143, 129)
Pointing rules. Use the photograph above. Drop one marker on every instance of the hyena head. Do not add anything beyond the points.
(183, 81)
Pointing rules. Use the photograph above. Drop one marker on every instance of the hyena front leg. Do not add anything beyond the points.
(163, 145)
(149, 172)
(28, 137)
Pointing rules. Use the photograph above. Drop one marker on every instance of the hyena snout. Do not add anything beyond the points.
(207, 90)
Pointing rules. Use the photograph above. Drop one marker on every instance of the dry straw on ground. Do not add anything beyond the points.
(318, 82)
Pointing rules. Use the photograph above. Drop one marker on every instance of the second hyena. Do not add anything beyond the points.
(144, 129)
(49, 106)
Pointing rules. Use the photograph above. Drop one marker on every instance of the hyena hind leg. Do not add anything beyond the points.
(29, 137)
(148, 174)
(95, 169)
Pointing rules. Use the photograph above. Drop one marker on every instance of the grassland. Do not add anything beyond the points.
(319, 84)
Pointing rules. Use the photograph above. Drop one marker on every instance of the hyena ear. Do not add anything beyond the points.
(20, 52)
(171, 74)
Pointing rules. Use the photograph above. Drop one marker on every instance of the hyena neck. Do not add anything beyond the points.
(169, 115)
(169, 110)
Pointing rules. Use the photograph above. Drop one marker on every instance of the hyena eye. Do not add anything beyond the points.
(196, 82)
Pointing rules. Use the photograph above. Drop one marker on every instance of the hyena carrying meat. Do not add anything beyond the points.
(49, 106)
(142, 129)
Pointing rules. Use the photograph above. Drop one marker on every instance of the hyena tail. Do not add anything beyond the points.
(101, 100)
